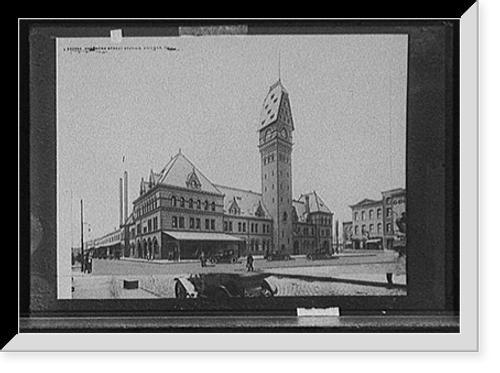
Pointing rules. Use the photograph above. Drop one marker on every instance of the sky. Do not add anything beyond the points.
(134, 104)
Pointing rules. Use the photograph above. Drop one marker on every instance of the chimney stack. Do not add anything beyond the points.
(121, 201)
(307, 204)
(125, 202)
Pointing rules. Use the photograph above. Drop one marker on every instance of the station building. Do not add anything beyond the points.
(181, 213)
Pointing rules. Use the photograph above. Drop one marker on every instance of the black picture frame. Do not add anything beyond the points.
(432, 303)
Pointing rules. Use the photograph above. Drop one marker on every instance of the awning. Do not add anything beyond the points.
(201, 236)
(374, 240)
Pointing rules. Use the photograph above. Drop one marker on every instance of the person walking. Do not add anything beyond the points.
(250, 267)
(397, 267)
(203, 260)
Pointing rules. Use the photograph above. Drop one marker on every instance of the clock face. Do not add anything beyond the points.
(284, 133)
(269, 134)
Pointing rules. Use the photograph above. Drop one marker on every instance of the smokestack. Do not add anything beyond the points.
(307, 204)
(121, 201)
(125, 197)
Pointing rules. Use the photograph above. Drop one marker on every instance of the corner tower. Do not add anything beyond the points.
(275, 146)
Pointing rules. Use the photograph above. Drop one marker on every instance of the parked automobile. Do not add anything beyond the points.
(227, 256)
(221, 286)
(320, 254)
(278, 255)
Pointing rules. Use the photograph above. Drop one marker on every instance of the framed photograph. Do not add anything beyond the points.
(245, 177)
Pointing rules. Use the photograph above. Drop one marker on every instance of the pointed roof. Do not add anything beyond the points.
(276, 106)
(316, 204)
(249, 203)
(180, 171)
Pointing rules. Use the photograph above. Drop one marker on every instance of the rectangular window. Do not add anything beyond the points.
(389, 212)
(207, 224)
(174, 221)
(355, 216)
(230, 226)
(225, 226)
(212, 224)
(389, 227)
(155, 223)
(149, 225)
(239, 226)
(181, 222)
(244, 227)
(191, 223)
(198, 223)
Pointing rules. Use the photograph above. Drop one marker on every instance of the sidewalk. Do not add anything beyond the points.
(345, 254)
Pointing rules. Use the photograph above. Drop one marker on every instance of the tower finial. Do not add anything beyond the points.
(279, 65)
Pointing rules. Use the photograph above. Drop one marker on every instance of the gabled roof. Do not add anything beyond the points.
(179, 170)
(248, 202)
(276, 106)
(316, 203)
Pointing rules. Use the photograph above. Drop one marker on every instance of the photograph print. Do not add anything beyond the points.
(224, 167)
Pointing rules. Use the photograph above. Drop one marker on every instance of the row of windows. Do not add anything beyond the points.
(268, 159)
(190, 203)
(395, 201)
(194, 223)
(113, 238)
(257, 245)
(149, 226)
(322, 220)
(147, 206)
(242, 227)
(371, 228)
(371, 214)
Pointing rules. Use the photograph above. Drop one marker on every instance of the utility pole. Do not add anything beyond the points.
(81, 230)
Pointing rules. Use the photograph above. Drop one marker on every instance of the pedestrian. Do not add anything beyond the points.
(203, 260)
(250, 267)
(397, 267)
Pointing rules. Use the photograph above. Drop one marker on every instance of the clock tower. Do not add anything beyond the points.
(275, 146)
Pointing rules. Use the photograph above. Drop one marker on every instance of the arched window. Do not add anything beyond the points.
(182, 201)
(190, 203)
(206, 205)
(285, 216)
(174, 201)
(198, 205)
(213, 206)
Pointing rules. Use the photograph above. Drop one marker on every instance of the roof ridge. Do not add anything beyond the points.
(238, 189)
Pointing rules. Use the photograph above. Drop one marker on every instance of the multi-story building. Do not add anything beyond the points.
(368, 224)
(373, 221)
(180, 213)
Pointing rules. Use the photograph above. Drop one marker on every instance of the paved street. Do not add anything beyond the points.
(361, 274)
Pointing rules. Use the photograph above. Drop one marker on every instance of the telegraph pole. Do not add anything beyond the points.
(81, 230)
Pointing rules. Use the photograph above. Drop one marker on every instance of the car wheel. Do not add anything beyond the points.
(180, 292)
